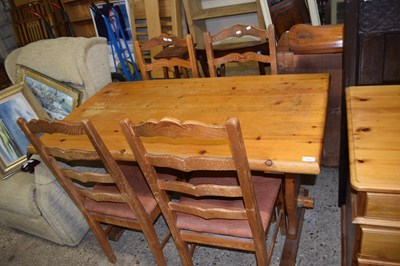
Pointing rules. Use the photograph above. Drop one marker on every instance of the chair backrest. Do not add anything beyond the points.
(239, 31)
(183, 47)
(72, 178)
(193, 135)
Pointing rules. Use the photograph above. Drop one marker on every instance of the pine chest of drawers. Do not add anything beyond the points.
(373, 117)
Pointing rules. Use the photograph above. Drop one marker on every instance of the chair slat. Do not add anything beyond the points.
(209, 213)
(192, 163)
(102, 196)
(87, 177)
(200, 190)
(51, 127)
(204, 239)
(164, 62)
(73, 154)
(236, 57)
(178, 129)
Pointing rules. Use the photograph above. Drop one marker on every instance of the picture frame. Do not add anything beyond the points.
(15, 101)
(57, 99)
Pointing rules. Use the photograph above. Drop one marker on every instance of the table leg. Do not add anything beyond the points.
(292, 188)
(295, 216)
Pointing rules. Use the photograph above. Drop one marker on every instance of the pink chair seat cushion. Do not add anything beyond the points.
(140, 187)
(266, 190)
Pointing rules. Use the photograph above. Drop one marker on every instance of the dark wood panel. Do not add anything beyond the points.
(371, 59)
(391, 69)
(286, 13)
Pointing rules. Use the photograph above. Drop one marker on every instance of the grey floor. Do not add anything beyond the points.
(319, 242)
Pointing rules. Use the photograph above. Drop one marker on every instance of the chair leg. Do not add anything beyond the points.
(154, 243)
(221, 71)
(281, 216)
(261, 68)
(115, 233)
(261, 252)
(281, 209)
(101, 237)
(185, 72)
(165, 71)
(184, 253)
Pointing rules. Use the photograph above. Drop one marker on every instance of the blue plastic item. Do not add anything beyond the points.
(115, 33)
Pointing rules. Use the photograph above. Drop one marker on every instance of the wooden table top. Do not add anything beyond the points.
(282, 116)
(373, 117)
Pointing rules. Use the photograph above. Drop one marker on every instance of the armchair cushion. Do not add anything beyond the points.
(18, 194)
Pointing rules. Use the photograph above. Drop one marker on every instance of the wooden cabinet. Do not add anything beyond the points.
(80, 17)
(374, 151)
(196, 16)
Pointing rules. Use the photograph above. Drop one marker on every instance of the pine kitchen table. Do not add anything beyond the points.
(282, 118)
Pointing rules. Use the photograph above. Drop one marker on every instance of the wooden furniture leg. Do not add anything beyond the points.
(115, 233)
(295, 215)
(292, 188)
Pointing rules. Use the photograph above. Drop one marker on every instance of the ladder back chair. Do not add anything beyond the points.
(235, 34)
(178, 54)
(221, 204)
(117, 195)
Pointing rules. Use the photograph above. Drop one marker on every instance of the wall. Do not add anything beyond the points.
(7, 39)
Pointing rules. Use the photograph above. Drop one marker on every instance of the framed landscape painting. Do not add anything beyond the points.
(15, 102)
(57, 99)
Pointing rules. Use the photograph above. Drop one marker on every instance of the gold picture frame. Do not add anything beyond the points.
(15, 101)
(57, 99)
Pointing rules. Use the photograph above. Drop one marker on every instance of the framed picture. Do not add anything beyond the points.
(57, 99)
(15, 101)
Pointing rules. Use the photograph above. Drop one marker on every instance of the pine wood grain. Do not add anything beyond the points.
(282, 116)
(374, 145)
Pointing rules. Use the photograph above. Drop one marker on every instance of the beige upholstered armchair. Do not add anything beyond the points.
(80, 62)
(36, 203)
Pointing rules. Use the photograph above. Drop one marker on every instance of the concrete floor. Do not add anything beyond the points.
(319, 243)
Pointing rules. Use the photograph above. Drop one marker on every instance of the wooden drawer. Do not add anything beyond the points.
(384, 206)
(380, 242)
